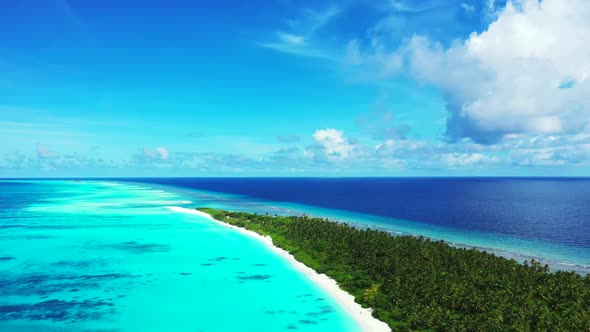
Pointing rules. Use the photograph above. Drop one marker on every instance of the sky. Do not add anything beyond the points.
(294, 88)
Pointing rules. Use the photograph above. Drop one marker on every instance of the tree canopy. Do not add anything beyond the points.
(413, 283)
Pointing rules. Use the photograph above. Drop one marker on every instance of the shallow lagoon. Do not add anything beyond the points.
(111, 257)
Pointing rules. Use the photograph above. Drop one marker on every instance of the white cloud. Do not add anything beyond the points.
(333, 143)
(290, 39)
(387, 145)
(159, 152)
(527, 73)
(491, 10)
(470, 9)
(15, 161)
(162, 152)
(491, 5)
(44, 153)
(454, 160)
(298, 37)
(507, 79)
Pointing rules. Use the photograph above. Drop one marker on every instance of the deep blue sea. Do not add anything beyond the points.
(552, 214)
(556, 210)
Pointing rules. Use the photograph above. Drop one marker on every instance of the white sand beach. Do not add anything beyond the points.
(362, 315)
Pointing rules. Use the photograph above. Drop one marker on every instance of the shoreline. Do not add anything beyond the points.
(519, 251)
(555, 263)
(363, 316)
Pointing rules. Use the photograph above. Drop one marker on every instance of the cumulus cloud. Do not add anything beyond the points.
(528, 73)
(551, 151)
(159, 152)
(469, 159)
(509, 79)
(15, 161)
(44, 153)
(333, 143)
(162, 152)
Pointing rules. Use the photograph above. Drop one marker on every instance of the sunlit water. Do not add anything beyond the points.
(94, 256)
(111, 256)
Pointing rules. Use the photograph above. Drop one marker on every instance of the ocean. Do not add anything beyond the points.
(105, 256)
(523, 218)
(109, 255)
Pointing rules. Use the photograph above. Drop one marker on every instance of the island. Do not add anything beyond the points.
(414, 283)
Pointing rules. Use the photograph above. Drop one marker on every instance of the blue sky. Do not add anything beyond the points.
(294, 88)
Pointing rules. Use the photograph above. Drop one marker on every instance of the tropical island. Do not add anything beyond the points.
(414, 283)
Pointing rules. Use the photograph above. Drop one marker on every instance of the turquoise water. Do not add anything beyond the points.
(111, 256)
(96, 256)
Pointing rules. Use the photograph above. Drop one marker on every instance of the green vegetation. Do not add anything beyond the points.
(413, 283)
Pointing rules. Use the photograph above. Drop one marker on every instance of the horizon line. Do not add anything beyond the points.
(303, 177)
